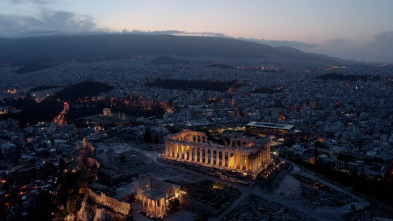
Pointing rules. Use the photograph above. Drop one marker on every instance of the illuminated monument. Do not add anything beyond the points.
(107, 112)
(155, 195)
(244, 155)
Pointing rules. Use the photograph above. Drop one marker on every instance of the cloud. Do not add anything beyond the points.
(275, 43)
(385, 37)
(41, 2)
(48, 22)
(378, 49)
(381, 49)
(295, 44)
(337, 42)
(175, 32)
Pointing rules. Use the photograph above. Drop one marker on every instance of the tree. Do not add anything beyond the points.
(202, 217)
(43, 207)
(147, 137)
(123, 158)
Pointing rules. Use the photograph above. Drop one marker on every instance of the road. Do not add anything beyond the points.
(60, 118)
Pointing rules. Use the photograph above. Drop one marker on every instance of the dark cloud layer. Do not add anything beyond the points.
(274, 43)
(48, 22)
(296, 44)
(41, 2)
(176, 32)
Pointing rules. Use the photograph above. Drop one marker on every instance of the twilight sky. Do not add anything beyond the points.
(349, 29)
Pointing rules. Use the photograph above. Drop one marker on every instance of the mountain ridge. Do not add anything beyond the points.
(59, 49)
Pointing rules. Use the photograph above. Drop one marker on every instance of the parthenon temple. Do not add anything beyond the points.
(245, 155)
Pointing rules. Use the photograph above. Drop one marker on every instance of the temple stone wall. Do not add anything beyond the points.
(116, 205)
(244, 155)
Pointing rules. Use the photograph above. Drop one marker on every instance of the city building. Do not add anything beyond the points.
(282, 132)
(244, 155)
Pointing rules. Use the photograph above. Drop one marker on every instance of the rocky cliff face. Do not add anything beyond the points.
(93, 210)
(93, 206)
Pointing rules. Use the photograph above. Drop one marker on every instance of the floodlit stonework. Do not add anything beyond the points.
(155, 195)
(107, 112)
(118, 207)
(245, 155)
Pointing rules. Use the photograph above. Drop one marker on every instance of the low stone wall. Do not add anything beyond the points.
(116, 205)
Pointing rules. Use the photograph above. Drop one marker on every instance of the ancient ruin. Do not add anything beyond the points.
(155, 195)
(244, 155)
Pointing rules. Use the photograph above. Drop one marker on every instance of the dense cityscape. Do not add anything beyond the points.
(196, 110)
(197, 138)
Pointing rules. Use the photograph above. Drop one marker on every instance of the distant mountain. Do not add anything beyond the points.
(309, 56)
(53, 50)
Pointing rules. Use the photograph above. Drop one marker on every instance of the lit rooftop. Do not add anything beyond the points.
(271, 125)
(153, 194)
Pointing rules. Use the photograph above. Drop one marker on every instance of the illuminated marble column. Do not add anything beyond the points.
(206, 156)
(200, 155)
(143, 201)
(195, 154)
(211, 157)
(190, 153)
(165, 207)
(217, 157)
(246, 162)
(268, 153)
(171, 146)
(263, 156)
(241, 161)
(176, 150)
(167, 149)
(229, 159)
(234, 160)
(223, 158)
(256, 164)
(237, 158)
(181, 150)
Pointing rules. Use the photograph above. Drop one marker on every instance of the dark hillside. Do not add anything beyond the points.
(42, 52)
